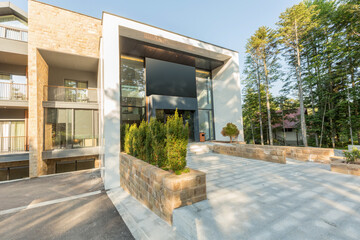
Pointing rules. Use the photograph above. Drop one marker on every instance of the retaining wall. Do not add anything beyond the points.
(159, 190)
(269, 154)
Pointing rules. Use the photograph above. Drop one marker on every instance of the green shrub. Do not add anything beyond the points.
(352, 156)
(230, 130)
(140, 140)
(163, 145)
(157, 136)
(124, 128)
(176, 142)
(129, 140)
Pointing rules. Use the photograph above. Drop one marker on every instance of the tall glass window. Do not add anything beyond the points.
(132, 90)
(205, 105)
(71, 128)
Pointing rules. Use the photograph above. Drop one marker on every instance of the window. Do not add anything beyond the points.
(79, 93)
(12, 136)
(71, 128)
(205, 106)
(132, 90)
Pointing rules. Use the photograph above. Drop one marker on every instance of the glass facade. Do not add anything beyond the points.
(71, 128)
(205, 105)
(132, 90)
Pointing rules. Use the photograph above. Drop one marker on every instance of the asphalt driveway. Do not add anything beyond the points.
(65, 206)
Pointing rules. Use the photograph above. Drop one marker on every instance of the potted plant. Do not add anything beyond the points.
(230, 130)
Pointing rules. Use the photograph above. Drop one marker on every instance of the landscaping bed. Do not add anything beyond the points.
(340, 166)
(350, 164)
(153, 166)
(160, 190)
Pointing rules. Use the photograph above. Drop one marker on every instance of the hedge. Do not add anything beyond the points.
(163, 145)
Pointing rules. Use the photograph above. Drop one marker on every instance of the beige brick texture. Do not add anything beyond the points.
(53, 29)
(159, 190)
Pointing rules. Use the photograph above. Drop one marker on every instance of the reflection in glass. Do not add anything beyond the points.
(78, 94)
(132, 90)
(204, 89)
(132, 114)
(70, 128)
(204, 96)
(206, 123)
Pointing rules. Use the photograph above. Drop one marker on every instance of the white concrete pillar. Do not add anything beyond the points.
(111, 103)
(227, 97)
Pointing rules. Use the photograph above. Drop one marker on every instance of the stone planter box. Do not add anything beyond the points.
(159, 190)
(340, 166)
(269, 154)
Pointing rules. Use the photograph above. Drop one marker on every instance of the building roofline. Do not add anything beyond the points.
(66, 9)
(105, 12)
(15, 9)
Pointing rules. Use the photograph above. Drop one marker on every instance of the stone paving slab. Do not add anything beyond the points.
(251, 199)
(141, 221)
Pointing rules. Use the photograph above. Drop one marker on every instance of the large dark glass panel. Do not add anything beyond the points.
(169, 79)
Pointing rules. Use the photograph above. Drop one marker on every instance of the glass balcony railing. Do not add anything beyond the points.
(13, 91)
(13, 33)
(71, 94)
(13, 144)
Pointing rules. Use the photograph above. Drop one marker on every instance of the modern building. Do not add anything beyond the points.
(69, 80)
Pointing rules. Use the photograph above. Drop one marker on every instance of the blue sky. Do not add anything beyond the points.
(228, 23)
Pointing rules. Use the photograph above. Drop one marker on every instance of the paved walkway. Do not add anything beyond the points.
(252, 199)
(64, 206)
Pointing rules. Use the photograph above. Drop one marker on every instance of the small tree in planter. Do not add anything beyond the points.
(352, 156)
(230, 130)
(176, 142)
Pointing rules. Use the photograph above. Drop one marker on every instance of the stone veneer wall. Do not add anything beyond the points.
(321, 155)
(59, 30)
(269, 154)
(340, 167)
(160, 190)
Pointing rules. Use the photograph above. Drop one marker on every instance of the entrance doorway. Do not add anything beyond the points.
(188, 117)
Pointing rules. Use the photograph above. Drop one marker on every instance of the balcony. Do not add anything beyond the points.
(13, 91)
(13, 144)
(71, 94)
(13, 33)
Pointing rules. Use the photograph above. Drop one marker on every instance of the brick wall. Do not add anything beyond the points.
(160, 190)
(270, 154)
(59, 30)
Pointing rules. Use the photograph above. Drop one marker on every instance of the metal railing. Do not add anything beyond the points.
(13, 33)
(13, 144)
(13, 91)
(70, 94)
